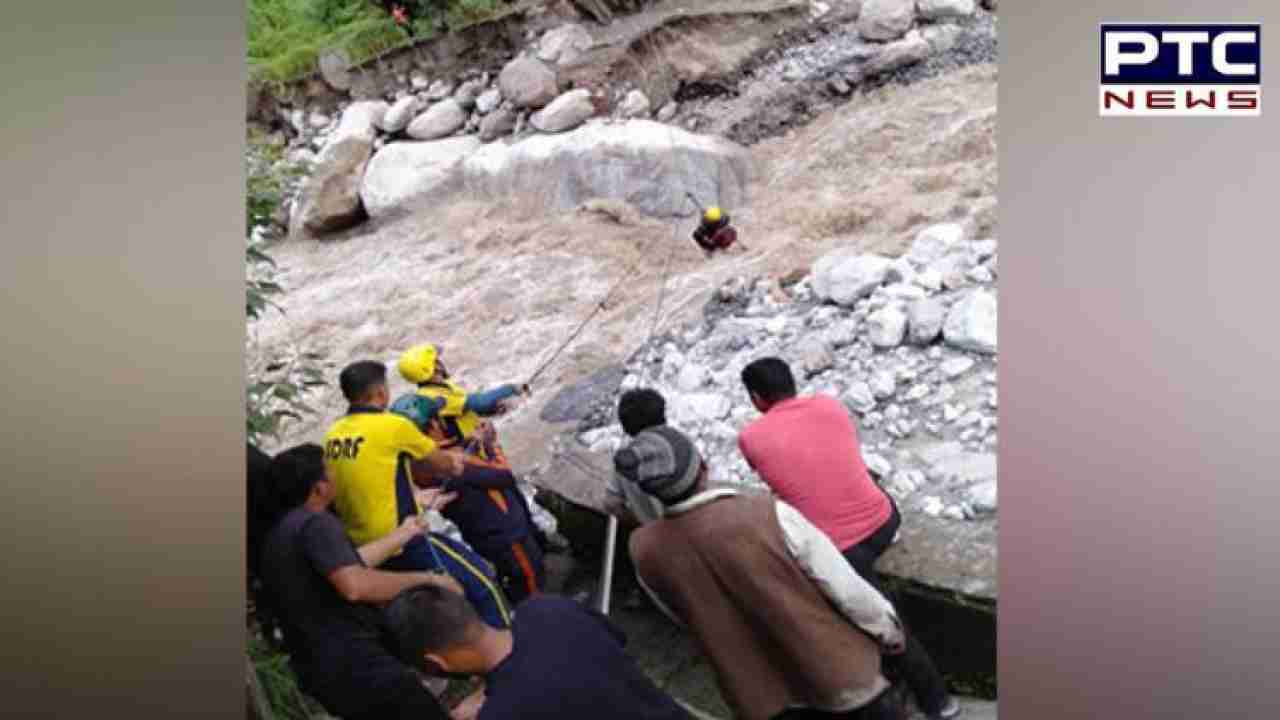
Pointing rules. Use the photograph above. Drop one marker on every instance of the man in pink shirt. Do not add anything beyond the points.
(806, 450)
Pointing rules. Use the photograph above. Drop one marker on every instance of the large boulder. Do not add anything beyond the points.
(440, 120)
(844, 278)
(399, 115)
(886, 19)
(528, 82)
(405, 175)
(971, 323)
(330, 198)
(564, 113)
(564, 44)
(645, 164)
(941, 9)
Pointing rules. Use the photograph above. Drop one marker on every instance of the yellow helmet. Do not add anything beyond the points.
(418, 363)
(712, 215)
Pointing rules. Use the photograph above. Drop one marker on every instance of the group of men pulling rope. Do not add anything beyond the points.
(777, 588)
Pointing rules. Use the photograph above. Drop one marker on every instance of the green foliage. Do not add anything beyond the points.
(287, 37)
(276, 388)
(279, 683)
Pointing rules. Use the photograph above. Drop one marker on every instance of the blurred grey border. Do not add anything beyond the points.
(123, 274)
(1140, 447)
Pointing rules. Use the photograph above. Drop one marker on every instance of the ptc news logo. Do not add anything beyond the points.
(1181, 70)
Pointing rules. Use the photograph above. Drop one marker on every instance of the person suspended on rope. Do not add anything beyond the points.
(491, 511)
(375, 458)
(714, 233)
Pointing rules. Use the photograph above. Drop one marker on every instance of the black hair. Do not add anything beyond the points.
(770, 378)
(429, 619)
(292, 475)
(641, 409)
(357, 379)
(257, 517)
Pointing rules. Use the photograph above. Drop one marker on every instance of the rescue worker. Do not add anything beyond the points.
(375, 458)
(714, 233)
(491, 511)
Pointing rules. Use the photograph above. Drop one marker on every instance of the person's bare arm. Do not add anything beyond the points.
(439, 464)
(376, 552)
(358, 584)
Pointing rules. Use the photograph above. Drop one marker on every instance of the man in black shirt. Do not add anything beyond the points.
(329, 597)
(559, 661)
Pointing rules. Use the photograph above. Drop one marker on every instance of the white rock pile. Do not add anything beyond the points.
(908, 344)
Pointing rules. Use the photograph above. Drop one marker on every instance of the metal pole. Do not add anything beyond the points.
(606, 572)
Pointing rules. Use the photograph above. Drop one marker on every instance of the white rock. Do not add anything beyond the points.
(488, 101)
(329, 199)
(564, 113)
(399, 115)
(898, 54)
(528, 83)
(941, 38)
(419, 81)
(498, 123)
(813, 357)
(318, 120)
(956, 366)
(983, 250)
(843, 278)
(950, 413)
(984, 497)
(918, 392)
(859, 398)
(980, 274)
(925, 321)
(992, 400)
(887, 327)
(954, 512)
(885, 19)
(932, 506)
(901, 271)
(564, 44)
(440, 90)
(692, 377)
(877, 464)
(940, 9)
(929, 279)
(644, 163)
(440, 120)
(903, 292)
(702, 407)
(936, 241)
(904, 483)
(636, 104)
(973, 417)
(945, 393)
(883, 384)
(971, 323)
(406, 176)
(467, 94)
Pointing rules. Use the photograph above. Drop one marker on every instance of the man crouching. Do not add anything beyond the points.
(790, 629)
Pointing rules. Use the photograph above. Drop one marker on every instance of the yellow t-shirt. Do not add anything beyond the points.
(367, 453)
